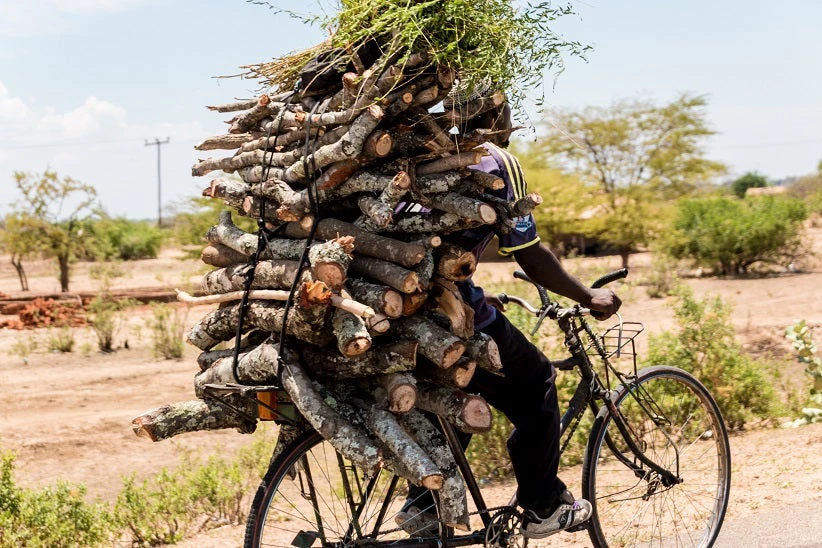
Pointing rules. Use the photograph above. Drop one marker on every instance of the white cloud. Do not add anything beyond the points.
(93, 117)
(12, 109)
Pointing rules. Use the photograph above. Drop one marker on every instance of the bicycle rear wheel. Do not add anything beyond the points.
(312, 496)
(676, 423)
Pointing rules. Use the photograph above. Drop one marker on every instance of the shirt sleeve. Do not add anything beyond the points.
(524, 234)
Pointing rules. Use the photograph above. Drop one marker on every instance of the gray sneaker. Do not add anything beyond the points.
(417, 523)
(570, 513)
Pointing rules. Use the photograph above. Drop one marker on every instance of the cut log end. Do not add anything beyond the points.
(433, 482)
(355, 347)
(453, 353)
(477, 413)
(487, 214)
(393, 304)
(402, 398)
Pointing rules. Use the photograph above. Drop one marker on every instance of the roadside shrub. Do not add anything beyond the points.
(156, 510)
(127, 240)
(704, 344)
(105, 316)
(25, 347)
(167, 326)
(61, 340)
(730, 235)
(53, 516)
(751, 179)
(662, 280)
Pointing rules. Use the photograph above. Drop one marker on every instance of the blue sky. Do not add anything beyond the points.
(84, 82)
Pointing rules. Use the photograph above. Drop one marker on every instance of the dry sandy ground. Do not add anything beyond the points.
(67, 416)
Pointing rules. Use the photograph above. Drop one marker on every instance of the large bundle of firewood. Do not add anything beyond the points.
(376, 331)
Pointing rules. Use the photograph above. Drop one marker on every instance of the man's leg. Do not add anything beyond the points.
(528, 397)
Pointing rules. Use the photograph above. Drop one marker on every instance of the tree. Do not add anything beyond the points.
(633, 151)
(19, 239)
(52, 217)
(752, 179)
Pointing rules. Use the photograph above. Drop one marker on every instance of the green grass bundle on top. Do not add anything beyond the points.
(491, 43)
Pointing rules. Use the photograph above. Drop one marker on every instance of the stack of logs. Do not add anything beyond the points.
(377, 330)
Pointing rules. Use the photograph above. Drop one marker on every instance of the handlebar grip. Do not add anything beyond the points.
(608, 278)
(543, 294)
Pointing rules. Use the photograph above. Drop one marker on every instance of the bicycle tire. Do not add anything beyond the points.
(633, 508)
(284, 514)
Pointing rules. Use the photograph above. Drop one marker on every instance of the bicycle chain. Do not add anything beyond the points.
(487, 510)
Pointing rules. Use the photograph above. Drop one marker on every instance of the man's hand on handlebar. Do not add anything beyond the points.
(494, 301)
(604, 303)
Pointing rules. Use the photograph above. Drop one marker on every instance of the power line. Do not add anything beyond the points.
(68, 144)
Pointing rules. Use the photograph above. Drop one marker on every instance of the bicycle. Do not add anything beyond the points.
(656, 468)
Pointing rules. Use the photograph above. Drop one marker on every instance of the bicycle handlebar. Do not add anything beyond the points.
(610, 277)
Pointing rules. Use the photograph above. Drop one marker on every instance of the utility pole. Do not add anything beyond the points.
(158, 143)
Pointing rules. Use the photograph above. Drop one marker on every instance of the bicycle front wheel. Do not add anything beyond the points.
(312, 496)
(675, 422)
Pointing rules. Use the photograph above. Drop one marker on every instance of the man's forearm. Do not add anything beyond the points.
(543, 267)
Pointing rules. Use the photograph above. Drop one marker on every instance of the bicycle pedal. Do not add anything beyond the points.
(578, 527)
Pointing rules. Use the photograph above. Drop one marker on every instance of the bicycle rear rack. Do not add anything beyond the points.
(273, 403)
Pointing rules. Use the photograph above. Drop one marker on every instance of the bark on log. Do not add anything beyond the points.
(454, 503)
(255, 174)
(465, 207)
(269, 274)
(436, 344)
(381, 298)
(458, 375)
(227, 189)
(455, 263)
(372, 245)
(227, 234)
(216, 327)
(248, 119)
(400, 390)
(225, 142)
(422, 469)
(423, 223)
(458, 115)
(330, 260)
(191, 416)
(469, 413)
(380, 360)
(256, 366)
(487, 180)
(207, 359)
(349, 440)
(399, 278)
(345, 148)
(425, 269)
(484, 350)
(221, 256)
(526, 204)
(275, 142)
(234, 107)
(304, 323)
(455, 161)
(351, 333)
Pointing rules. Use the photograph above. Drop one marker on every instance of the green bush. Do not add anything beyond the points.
(51, 517)
(61, 339)
(196, 215)
(704, 344)
(155, 511)
(123, 239)
(730, 235)
(751, 179)
(167, 326)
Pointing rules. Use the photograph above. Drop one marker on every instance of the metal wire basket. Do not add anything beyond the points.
(619, 343)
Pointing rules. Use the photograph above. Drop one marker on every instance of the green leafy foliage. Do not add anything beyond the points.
(54, 516)
(126, 240)
(195, 216)
(487, 41)
(61, 339)
(751, 179)
(801, 337)
(704, 344)
(52, 217)
(730, 235)
(167, 326)
(105, 313)
(635, 156)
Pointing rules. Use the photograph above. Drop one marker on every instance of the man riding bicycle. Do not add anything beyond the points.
(527, 394)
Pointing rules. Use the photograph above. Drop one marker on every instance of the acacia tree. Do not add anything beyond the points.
(18, 239)
(635, 152)
(50, 217)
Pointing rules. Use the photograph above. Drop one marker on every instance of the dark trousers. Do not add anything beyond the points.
(528, 397)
